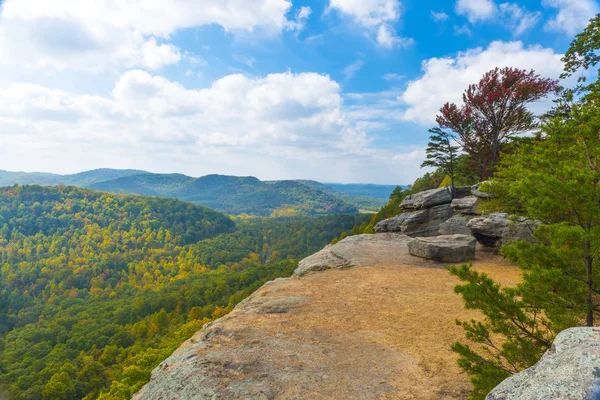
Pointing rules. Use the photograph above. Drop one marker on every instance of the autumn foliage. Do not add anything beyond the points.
(493, 111)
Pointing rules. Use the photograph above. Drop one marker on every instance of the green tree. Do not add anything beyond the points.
(584, 52)
(554, 178)
(441, 153)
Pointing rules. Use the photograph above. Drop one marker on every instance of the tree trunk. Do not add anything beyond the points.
(590, 285)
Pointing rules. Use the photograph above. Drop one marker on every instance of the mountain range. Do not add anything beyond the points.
(229, 194)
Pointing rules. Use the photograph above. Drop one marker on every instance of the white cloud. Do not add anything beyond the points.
(95, 35)
(439, 16)
(518, 19)
(476, 10)
(393, 77)
(573, 15)
(276, 126)
(375, 15)
(351, 70)
(445, 79)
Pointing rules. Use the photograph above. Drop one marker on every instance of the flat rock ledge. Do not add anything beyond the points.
(356, 250)
(569, 370)
(445, 248)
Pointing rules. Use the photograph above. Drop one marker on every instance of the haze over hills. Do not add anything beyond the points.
(230, 194)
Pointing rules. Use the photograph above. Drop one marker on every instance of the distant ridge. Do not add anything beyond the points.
(230, 194)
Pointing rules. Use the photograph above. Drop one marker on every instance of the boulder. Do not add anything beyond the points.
(466, 205)
(354, 251)
(320, 261)
(427, 199)
(456, 225)
(424, 222)
(445, 248)
(498, 229)
(569, 370)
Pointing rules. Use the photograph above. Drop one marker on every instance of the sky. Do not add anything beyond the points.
(330, 90)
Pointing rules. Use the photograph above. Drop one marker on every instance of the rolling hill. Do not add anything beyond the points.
(229, 194)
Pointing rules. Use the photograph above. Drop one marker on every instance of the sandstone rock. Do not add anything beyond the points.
(393, 224)
(324, 259)
(382, 248)
(569, 370)
(466, 205)
(417, 223)
(498, 229)
(427, 222)
(450, 248)
(427, 199)
(456, 225)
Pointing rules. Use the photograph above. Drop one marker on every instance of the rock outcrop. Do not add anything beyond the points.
(355, 250)
(569, 370)
(431, 213)
(466, 205)
(425, 222)
(498, 229)
(427, 199)
(447, 249)
(456, 225)
(334, 334)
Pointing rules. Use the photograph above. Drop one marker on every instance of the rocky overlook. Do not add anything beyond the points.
(361, 319)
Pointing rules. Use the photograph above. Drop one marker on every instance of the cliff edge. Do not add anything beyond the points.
(361, 319)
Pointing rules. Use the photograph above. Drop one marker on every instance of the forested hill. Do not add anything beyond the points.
(233, 195)
(229, 194)
(96, 289)
(82, 179)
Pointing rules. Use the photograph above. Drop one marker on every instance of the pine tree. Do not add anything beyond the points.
(554, 178)
(441, 153)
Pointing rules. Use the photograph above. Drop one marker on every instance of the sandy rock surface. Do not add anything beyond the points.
(381, 329)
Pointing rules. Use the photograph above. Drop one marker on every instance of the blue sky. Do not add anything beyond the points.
(332, 90)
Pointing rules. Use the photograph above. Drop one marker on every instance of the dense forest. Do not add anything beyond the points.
(96, 289)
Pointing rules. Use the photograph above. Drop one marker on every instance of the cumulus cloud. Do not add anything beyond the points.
(573, 15)
(94, 35)
(375, 15)
(271, 126)
(445, 79)
(512, 16)
(476, 10)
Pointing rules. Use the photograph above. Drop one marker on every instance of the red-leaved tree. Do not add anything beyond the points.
(494, 110)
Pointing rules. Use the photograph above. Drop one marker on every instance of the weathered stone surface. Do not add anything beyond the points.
(317, 337)
(456, 225)
(383, 248)
(427, 199)
(466, 205)
(393, 224)
(498, 229)
(324, 259)
(427, 222)
(569, 370)
(424, 222)
(445, 248)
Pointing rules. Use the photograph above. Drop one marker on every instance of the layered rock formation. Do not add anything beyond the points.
(434, 212)
(569, 370)
(447, 249)
(359, 320)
